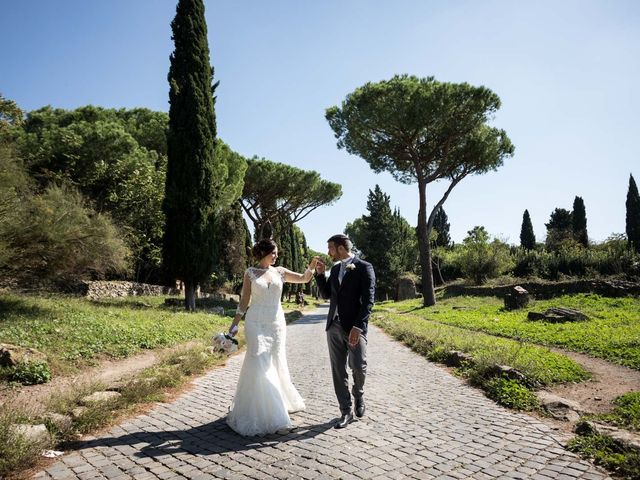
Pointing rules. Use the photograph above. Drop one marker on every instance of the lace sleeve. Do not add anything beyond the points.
(250, 273)
(293, 277)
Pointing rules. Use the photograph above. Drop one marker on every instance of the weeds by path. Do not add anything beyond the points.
(435, 341)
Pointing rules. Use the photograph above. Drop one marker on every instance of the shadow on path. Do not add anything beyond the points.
(208, 439)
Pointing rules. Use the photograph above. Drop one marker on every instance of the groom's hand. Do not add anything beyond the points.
(354, 337)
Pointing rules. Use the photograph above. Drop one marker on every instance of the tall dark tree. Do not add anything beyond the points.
(442, 226)
(379, 233)
(195, 176)
(386, 240)
(231, 245)
(527, 237)
(404, 251)
(579, 222)
(293, 252)
(421, 130)
(633, 215)
(559, 228)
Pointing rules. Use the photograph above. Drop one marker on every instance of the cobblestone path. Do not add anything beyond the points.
(421, 422)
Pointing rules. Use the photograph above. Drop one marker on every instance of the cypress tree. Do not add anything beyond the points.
(281, 234)
(633, 215)
(527, 237)
(579, 222)
(559, 228)
(378, 233)
(193, 172)
(441, 225)
(230, 244)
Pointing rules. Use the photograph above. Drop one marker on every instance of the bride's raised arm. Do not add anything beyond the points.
(294, 277)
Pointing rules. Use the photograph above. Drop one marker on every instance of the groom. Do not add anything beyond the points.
(351, 288)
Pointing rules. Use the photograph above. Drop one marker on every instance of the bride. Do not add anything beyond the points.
(265, 395)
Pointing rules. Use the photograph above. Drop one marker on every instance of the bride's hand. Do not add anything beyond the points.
(313, 263)
(233, 330)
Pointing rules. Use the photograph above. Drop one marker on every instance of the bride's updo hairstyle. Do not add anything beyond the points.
(263, 248)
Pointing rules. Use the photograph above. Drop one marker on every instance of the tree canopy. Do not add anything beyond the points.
(275, 191)
(110, 156)
(421, 130)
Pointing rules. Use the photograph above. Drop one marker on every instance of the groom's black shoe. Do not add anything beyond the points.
(360, 407)
(345, 420)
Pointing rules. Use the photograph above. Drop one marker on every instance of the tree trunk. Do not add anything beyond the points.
(428, 293)
(440, 279)
(190, 295)
(262, 230)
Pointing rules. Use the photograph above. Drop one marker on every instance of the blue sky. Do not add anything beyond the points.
(568, 74)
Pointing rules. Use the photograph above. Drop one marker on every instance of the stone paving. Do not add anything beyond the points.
(421, 423)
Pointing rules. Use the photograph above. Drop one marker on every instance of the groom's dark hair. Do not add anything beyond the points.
(343, 240)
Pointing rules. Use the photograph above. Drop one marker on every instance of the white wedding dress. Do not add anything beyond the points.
(265, 395)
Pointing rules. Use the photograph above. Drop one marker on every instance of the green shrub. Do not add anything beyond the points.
(604, 451)
(61, 238)
(511, 394)
(30, 373)
(626, 412)
(476, 260)
(481, 259)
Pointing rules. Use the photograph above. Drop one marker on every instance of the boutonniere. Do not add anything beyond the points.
(350, 267)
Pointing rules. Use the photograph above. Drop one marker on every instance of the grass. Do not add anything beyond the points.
(434, 340)
(625, 413)
(538, 365)
(606, 452)
(74, 332)
(16, 451)
(510, 393)
(611, 333)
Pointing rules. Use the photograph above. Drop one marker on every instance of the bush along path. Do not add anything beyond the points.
(421, 422)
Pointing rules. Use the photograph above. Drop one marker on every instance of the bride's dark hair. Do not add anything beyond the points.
(263, 248)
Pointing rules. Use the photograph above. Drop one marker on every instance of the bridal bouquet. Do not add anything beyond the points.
(224, 343)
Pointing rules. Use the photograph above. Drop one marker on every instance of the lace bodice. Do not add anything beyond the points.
(266, 286)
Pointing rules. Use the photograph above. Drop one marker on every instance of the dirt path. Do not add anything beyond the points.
(609, 381)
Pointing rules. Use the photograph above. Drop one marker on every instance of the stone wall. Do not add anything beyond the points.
(606, 288)
(112, 289)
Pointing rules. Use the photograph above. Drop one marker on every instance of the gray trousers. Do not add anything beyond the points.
(340, 352)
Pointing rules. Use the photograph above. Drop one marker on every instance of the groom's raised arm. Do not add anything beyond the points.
(323, 285)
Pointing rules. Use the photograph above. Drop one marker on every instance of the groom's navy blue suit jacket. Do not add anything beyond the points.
(353, 297)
